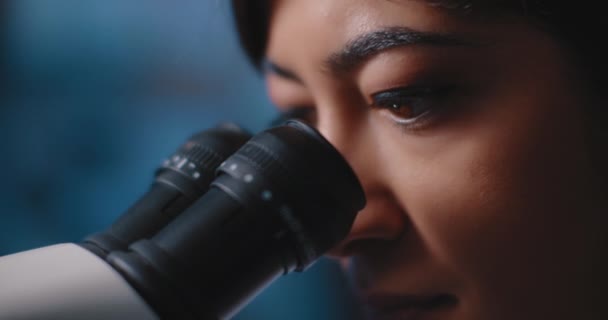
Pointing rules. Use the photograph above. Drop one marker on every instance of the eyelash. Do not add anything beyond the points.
(409, 106)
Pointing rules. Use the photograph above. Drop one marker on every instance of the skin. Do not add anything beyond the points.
(491, 197)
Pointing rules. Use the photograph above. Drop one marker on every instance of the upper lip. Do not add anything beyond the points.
(389, 303)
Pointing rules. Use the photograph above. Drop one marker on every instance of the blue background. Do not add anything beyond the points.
(94, 94)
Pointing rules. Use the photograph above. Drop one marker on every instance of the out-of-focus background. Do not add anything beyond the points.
(94, 94)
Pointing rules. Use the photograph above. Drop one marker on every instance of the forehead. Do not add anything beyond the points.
(343, 18)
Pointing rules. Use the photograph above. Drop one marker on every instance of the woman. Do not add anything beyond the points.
(476, 131)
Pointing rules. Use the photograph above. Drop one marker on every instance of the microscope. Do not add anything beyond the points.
(227, 214)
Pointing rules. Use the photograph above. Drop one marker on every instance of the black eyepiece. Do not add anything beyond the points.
(181, 180)
(281, 201)
(295, 170)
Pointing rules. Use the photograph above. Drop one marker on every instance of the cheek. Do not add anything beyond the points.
(494, 197)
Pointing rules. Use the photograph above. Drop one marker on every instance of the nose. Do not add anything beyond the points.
(383, 219)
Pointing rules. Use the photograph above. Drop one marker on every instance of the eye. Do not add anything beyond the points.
(407, 104)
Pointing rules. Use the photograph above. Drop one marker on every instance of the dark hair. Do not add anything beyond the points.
(251, 17)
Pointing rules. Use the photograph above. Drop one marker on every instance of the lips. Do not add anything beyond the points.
(407, 307)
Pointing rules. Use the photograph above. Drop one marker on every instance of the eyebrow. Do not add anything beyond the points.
(363, 47)
(271, 67)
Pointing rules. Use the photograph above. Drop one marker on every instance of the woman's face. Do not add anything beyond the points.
(469, 138)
